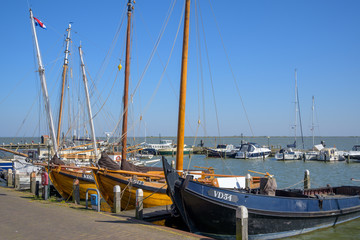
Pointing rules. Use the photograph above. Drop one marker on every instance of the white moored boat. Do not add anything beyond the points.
(252, 151)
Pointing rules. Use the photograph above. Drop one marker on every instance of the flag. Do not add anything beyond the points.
(119, 67)
(39, 23)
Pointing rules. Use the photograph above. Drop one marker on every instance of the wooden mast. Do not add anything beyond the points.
(182, 100)
(126, 83)
(65, 68)
(44, 86)
(88, 104)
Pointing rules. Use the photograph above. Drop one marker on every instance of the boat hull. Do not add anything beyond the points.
(154, 193)
(252, 155)
(205, 220)
(289, 156)
(63, 180)
(211, 211)
(170, 152)
(6, 165)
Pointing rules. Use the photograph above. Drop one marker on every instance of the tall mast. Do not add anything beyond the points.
(182, 100)
(65, 68)
(312, 120)
(296, 105)
(126, 83)
(44, 86)
(88, 103)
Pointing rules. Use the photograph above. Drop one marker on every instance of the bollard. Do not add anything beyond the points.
(76, 192)
(45, 184)
(45, 192)
(37, 188)
(117, 199)
(242, 223)
(173, 164)
(348, 159)
(33, 182)
(10, 178)
(17, 180)
(248, 181)
(307, 179)
(139, 204)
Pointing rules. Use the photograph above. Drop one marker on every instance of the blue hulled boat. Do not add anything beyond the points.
(210, 210)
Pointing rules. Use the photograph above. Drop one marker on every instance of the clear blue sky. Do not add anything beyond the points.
(265, 41)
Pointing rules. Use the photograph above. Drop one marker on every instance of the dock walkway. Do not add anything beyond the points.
(22, 217)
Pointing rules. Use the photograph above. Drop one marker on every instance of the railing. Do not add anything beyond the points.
(98, 198)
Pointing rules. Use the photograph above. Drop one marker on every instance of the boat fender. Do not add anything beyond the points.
(320, 199)
(44, 179)
(186, 182)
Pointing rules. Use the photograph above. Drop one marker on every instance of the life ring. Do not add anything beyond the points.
(118, 158)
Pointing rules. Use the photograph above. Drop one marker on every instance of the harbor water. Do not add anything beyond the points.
(288, 174)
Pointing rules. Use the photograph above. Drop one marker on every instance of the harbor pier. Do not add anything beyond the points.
(27, 218)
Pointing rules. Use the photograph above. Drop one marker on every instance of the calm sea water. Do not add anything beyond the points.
(287, 174)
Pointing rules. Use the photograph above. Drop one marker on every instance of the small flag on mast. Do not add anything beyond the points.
(39, 23)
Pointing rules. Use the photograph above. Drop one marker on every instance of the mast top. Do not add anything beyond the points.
(130, 6)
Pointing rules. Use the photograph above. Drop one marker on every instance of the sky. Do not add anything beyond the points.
(241, 67)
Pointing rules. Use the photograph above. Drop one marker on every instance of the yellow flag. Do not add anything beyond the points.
(119, 67)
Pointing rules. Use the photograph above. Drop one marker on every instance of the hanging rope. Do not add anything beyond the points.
(155, 47)
(231, 69)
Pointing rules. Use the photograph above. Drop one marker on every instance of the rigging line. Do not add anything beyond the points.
(200, 68)
(107, 114)
(93, 86)
(211, 80)
(231, 69)
(158, 85)
(317, 122)
(107, 96)
(166, 65)
(199, 65)
(210, 73)
(112, 47)
(106, 59)
(15, 87)
(201, 72)
(71, 125)
(156, 46)
(27, 115)
(94, 89)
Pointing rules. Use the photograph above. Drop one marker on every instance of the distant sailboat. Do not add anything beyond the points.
(290, 152)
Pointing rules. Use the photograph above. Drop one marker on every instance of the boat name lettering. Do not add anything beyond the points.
(222, 195)
(88, 176)
(135, 181)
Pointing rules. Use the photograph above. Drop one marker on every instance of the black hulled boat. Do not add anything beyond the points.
(210, 210)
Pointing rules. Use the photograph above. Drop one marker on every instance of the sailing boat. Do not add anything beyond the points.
(62, 176)
(289, 153)
(273, 213)
(128, 176)
(315, 151)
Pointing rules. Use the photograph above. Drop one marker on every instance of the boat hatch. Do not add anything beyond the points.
(231, 182)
